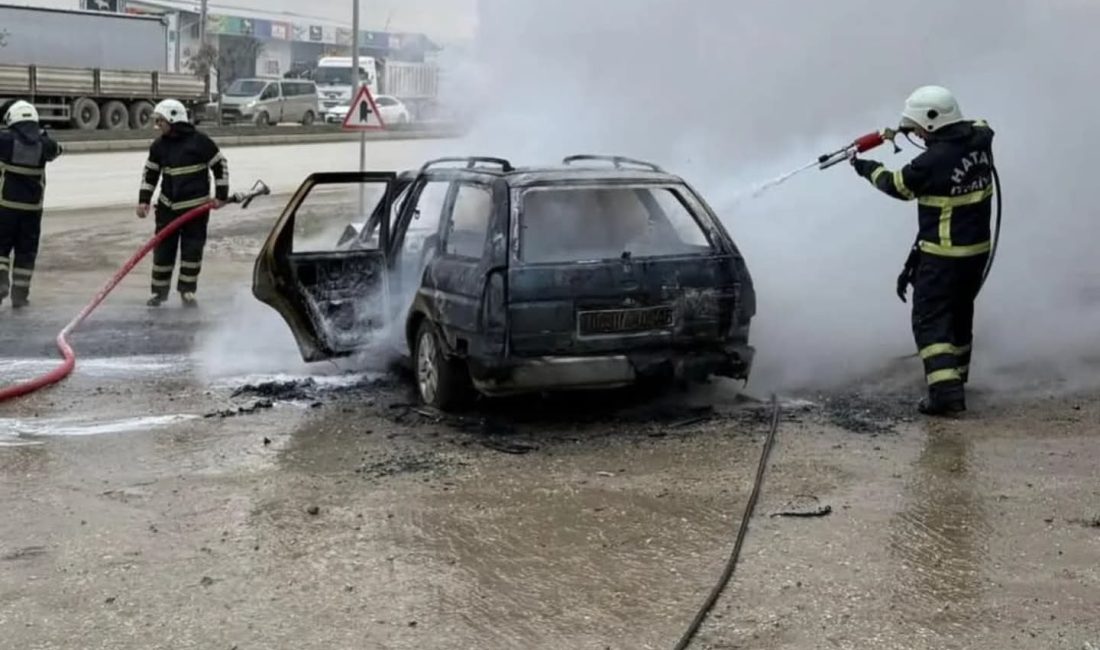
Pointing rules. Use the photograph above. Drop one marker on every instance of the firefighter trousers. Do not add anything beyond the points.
(944, 291)
(189, 242)
(19, 234)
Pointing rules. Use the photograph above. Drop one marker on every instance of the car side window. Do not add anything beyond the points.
(288, 89)
(469, 222)
(423, 226)
(270, 92)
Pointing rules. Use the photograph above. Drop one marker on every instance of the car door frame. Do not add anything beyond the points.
(274, 272)
(454, 285)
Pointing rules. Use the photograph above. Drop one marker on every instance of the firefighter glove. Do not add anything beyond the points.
(865, 167)
(903, 283)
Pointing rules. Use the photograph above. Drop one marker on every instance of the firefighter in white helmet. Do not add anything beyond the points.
(182, 159)
(25, 148)
(952, 182)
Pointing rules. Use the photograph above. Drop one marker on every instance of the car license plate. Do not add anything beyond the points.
(624, 321)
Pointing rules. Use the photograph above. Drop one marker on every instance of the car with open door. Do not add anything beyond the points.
(492, 279)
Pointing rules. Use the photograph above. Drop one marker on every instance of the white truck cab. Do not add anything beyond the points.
(334, 79)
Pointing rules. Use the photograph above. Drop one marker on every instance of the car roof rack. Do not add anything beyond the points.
(617, 161)
(470, 161)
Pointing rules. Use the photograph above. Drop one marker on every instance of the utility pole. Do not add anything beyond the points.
(202, 47)
(356, 84)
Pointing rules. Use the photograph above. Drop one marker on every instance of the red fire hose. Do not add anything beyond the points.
(66, 367)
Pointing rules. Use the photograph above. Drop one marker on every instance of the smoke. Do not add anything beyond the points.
(729, 94)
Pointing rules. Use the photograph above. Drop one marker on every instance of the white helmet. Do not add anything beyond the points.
(171, 110)
(21, 111)
(931, 108)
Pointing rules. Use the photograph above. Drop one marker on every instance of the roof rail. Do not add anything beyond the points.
(470, 162)
(617, 161)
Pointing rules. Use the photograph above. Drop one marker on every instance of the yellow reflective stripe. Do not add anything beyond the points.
(939, 376)
(878, 172)
(981, 123)
(221, 182)
(956, 201)
(183, 205)
(152, 166)
(962, 350)
(21, 283)
(945, 225)
(194, 203)
(937, 349)
(188, 278)
(15, 205)
(4, 263)
(183, 171)
(147, 187)
(162, 283)
(899, 185)
(963, 370)
(216, 159)
(190, 265)
(25, 273)
(955, 251)
(159, 268)
(24, 171)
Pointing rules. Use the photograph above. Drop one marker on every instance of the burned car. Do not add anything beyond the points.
(595, 273)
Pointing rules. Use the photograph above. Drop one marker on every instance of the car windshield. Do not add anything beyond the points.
(245, 88)
(572, 224)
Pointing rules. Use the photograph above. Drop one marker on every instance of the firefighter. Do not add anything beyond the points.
(182, 158)
(952, 182)
(24, 151)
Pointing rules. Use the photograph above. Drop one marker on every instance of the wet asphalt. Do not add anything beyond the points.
(194, 485)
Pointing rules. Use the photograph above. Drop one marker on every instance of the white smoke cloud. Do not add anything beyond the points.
(732, 93)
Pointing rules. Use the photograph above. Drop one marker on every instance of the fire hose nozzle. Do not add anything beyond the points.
(858, 146)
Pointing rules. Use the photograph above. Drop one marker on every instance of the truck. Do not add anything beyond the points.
(89, 69)
(415, 84)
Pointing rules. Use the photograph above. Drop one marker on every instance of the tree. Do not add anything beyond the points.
(235, 54)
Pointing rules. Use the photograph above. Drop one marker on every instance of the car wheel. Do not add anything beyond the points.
(441, 382)
(307, 119)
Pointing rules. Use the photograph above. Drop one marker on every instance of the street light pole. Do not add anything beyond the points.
(356, 84)
(202, 48)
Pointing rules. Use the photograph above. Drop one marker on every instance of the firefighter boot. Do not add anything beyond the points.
(947, 401)
(188, 298)
(156, 300)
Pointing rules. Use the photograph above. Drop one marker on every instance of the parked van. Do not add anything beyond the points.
(265, 101)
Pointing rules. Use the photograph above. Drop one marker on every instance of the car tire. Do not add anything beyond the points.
(308, 118)
(85, 114)
(441, 383)
(262, 120)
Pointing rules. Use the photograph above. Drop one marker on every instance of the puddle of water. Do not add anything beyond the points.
(14, 430)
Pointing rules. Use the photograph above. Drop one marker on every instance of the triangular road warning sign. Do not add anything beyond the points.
(363, 114)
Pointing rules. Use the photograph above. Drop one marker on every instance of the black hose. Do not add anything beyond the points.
(996, 229)
(731, 563)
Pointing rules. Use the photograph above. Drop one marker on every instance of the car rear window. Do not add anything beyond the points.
(565, 224)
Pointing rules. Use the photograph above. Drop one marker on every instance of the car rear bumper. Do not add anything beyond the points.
(607, 371)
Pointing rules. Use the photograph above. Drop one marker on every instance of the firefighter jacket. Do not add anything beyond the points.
(182, 160)
(952, 182)
(24, 151)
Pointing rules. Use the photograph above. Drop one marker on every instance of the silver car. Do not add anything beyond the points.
(265, 102)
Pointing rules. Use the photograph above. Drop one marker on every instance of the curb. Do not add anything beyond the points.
(141, 144)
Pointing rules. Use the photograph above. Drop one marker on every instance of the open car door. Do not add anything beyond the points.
(333, 294)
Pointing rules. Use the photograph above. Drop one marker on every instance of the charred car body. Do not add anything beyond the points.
(595, 273)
